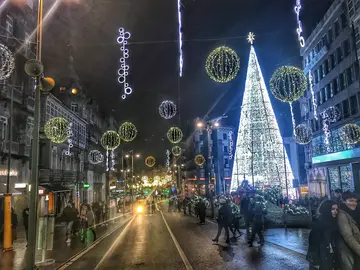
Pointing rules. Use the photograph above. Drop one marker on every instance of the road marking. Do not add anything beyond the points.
(78, 255)
(181, 252)
(110, 251)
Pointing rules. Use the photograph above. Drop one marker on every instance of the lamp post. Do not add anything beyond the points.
(132, 175)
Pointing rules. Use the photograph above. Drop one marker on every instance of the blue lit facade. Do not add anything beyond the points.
(330, 55)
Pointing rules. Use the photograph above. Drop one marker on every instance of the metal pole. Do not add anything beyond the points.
(207, 183)
(123, 175)
(286, 180)
(252, 159)
(31, 250)
(10, 141)
(132, 179)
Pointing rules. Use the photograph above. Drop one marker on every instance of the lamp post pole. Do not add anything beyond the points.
(132, 181)
(31, 250)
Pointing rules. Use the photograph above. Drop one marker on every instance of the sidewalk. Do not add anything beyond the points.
(61, 252)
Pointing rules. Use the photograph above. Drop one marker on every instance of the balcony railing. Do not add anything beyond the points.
(14, 147)
(5, 91)
(316, 59)
(29, 103)
(49, 175)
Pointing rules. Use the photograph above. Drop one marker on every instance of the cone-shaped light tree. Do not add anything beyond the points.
(260, 156)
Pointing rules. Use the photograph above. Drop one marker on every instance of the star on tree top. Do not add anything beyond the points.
(251, 38)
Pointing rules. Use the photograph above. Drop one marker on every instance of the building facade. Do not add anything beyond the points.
(221, 152)
(331, 65)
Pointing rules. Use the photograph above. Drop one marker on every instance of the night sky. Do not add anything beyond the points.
(154, 57)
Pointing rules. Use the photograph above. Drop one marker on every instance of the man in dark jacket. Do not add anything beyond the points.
(248, 213)
(224, 220)
(202, 211)
(257, 224)
(26, 221)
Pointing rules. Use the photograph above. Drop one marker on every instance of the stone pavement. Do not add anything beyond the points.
(62, 251)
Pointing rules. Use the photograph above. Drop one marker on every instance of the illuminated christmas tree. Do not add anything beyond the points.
(260, 156)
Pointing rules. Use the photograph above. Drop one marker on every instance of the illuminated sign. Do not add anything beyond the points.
(352, 153)
(20, 185)
(5, 172)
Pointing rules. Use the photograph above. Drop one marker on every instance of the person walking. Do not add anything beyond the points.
(244, 210)
(223, 219)
(26, 221)
(14, 223)
(68, 215)
(83, 220)
(202, 211)
(153, 207)
(322, 251)
(235, 224)
(257, 224)
(349, 227)
(91, 221)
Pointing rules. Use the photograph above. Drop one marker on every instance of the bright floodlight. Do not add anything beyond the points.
(137, 155)
(199, 124)
(127, 156)
(217, 124)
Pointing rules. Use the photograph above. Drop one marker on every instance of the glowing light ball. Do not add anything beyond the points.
(110, 140)
(223, 64)
(56, 129)
(303, 134)
(199, 160)
(127, 132)
(167, 109)
(176, 151)
(95, 157)
(7, 62)
(174, 135)
(150, 161)
(350, 134)
(288, 83)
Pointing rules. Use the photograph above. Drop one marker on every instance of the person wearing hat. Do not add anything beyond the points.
(224, 219)
(349, 227)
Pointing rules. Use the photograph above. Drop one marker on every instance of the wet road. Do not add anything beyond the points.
(174, 241)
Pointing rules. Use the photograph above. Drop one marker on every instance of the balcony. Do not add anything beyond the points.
(29, 104)
(5, 92)
(49, 175)
(24, 150)
(316, 59)
(14, 147)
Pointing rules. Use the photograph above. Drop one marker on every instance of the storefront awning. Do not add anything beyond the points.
(12, 190)
(56, 188)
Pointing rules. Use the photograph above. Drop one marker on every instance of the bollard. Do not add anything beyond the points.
(7, 224)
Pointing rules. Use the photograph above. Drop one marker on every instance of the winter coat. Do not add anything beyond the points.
(322, 249)
(90, 218)
(258, 215)
(225, 215)
(349, 242)
(244, 206)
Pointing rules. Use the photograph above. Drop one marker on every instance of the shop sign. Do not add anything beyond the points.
(5, 172)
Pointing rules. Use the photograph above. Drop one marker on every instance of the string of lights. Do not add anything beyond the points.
(70, 142)
(123, 71)
(181, 59)
(168, 159)
(107, 160)
(313, 99)
(299, 28)
(112, 160)
(231, 144)
(292, 117)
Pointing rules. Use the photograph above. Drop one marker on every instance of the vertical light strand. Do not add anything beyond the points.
(181, 59)
(299, 28)
(112, 161)
(231, 145)
(107, 160)
(123, 71)
(168, 160)
(70, 141)
(292, 117)
(313, 99)
(327, 134)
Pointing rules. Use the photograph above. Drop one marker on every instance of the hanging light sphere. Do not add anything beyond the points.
(199, 160)
(144, 179)
(167, 109)
(150, 161)
(223, 64)
(176, 151)
(350, 134)
(56, 129)
(332, 114)
(127, 132)
(174, 135)
(95, 157)
(288, 83)
(303, 134)
(110, 140)
(7, 62)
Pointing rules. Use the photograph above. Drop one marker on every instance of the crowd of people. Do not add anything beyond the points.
(334, 241)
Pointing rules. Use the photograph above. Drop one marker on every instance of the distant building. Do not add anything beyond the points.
(221, 151)
(330, 56)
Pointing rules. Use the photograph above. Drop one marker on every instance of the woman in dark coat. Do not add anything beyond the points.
(323, 238)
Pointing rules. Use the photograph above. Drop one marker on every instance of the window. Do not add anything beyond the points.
(337, 28)
(75, 107)
(330, 36)
(316, 76)
(346, 47)
(29, 130)
(332, 61)
(226, 150)
(318, 98)
(335, 86)
(342, 81)
(328, 91)
(344, 21)
(349, 77)
(326, 66)
(346, 108)
(356, 70)
(354, 105)
(224, 136)
(9, 26)
(226, 161)
(310, 106)
(322, 95)
(340, 54)
(3, 127)
(321, 72)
